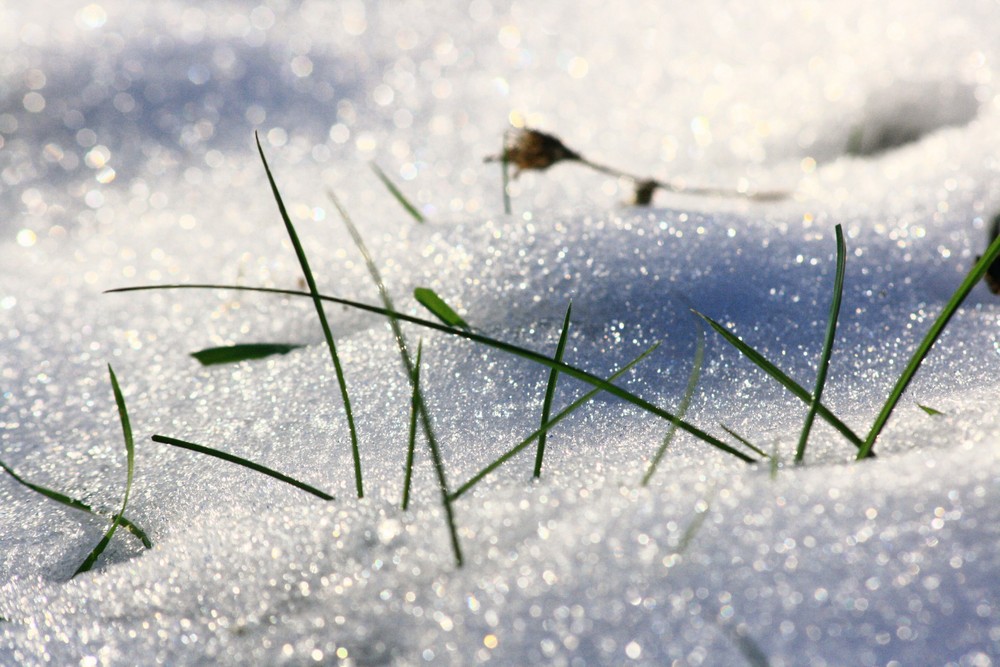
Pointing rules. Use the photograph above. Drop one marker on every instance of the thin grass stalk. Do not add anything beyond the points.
(831, 333)
(410, 368)
(327, 333)
(566, 412)
(550, 392)
(414, 409)
(976, 274)
(76, 504)
(524, 353)
(240, 461)
(88, 563)
(746, 443)
(699, 360)
(397, 194)
(788, 383)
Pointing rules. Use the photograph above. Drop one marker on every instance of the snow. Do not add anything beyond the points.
(127, 158)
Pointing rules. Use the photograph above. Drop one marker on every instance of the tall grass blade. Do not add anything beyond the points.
(318, 303)
(414, 409)
(566, 412)
(979, 269)
(746, 443)
(429, 299)
(246, 463)
(831, 333)
(410, 368)
(88, 563)
(230, 354)
(699, 360)
(395, 192)
(788, 383)
(550, 392)
(69, 501)
(508, 348)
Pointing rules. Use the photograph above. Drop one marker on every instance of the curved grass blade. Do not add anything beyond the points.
(230, 354)
(232, 458)
(395, 192)
(788, 383)
(699, 360)
(976, 274)
(524, 353)
(410, 369)
(521, 446)
(327, 333)
(69, 501)
(550, 392)
(88, 563)
(746, 443)
(831, 332)
(429, 299)
(414, 409)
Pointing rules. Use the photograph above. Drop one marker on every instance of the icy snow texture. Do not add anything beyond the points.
(127, 158)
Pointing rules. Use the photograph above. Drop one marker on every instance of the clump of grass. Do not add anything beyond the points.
(88, 563)
(327, 333)
(502, 346)
(420, 406)
(866, 446)
(532, 150)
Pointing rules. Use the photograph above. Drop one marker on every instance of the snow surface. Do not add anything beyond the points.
(126, 157)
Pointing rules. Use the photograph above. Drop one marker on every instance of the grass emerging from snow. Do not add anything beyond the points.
(453, 324)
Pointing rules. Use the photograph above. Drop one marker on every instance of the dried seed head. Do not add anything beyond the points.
(644, 191)
(531, 149)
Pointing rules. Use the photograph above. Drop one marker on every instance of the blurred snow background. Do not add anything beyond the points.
(126, 157)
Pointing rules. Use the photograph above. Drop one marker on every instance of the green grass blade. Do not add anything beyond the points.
(230, 354)
(69, 501)
(327, 333)
(88, 563)
(788, 383)
(421, 406)
(232, 458)
(746, 443)
(566, 412)
(699, 360)
(831, 332)
(429, 299)
(933, 412)
(550, 392)
(508, 348)
(979, 269)
(395, 192)
(414, 409)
